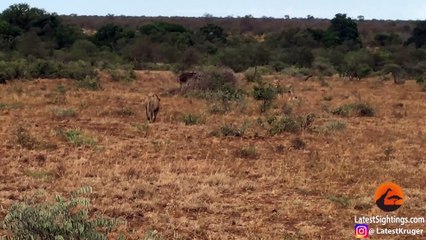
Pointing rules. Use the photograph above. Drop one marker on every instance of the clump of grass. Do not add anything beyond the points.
(90, 83)
(125, 112)
(266, 94)
(61, 89)
(193, 119)
(217, 109)
(231, 130)
(58, 96)
(24, 138)
(287, 108)
(332, 126)
(354, 109)
(144, 129)
(8, 106)
(122, 75)
(327, 98)
(298, 144)
(389, 150)
(64, 113)
(151, 235)
(249, 152)
(76, 137)
(342, 201)
(280, 148)
(289, 123)
(40, 174)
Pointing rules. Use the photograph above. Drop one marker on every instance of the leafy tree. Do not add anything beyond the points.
(66, 35)
(213, 33)
(418, 36)
(358, 63)
(345, 29)
(384, 39)
(28, 40)
(298, 56)
(25, 17)
(8, 33)
(109, 34)
(141, 49)
(8, 30)
(266, 94)
(83, 50)
(162, 27)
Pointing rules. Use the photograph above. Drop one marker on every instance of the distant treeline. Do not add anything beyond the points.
(298, 46)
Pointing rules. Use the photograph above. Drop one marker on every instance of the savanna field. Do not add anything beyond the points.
(200, 173)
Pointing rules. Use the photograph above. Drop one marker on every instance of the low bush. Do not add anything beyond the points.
(231, 130)
(265, 93)
(354, 109)
(76, 137)
(193, 119)
(298, 143)
(332, 126)
(288, 123)
(90, 83)
(247, 153)
(62, 219)
(25, 139)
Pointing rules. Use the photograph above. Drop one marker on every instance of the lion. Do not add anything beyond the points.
(152, 105)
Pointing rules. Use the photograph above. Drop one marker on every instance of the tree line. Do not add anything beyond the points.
(36, 43)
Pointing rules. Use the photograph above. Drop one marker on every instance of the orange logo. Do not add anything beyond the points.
(389, 197)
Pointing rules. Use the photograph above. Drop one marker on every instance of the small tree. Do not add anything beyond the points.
(213, 33)
(266, 94)
(418, 36)
(345, 28)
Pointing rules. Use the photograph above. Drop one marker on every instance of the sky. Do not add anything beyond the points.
(370, 9)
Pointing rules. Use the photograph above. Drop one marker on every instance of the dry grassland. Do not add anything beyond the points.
(187, 183)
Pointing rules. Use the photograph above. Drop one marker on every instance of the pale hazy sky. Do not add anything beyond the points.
(379, 9)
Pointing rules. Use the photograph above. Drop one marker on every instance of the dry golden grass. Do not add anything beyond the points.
(188, 184)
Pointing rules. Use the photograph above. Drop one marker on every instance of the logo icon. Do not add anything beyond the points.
(361, 231)
(389, 197)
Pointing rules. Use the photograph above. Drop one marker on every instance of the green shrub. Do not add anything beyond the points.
(77, 138)
(357, 109)
(90, 83)
(332, 126)
(122, 75)
(342, 201)
(192, 119)
(327, 98)
(420, 80)
(40, 68)
(247, 153)
(231, 130)
(8, 106)
(64, 113)
(125, 112)
(78, 70)
(266, 94)
(62, 219)
(212, 80)
(298, 143)
(289, 123)
(25, 139)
